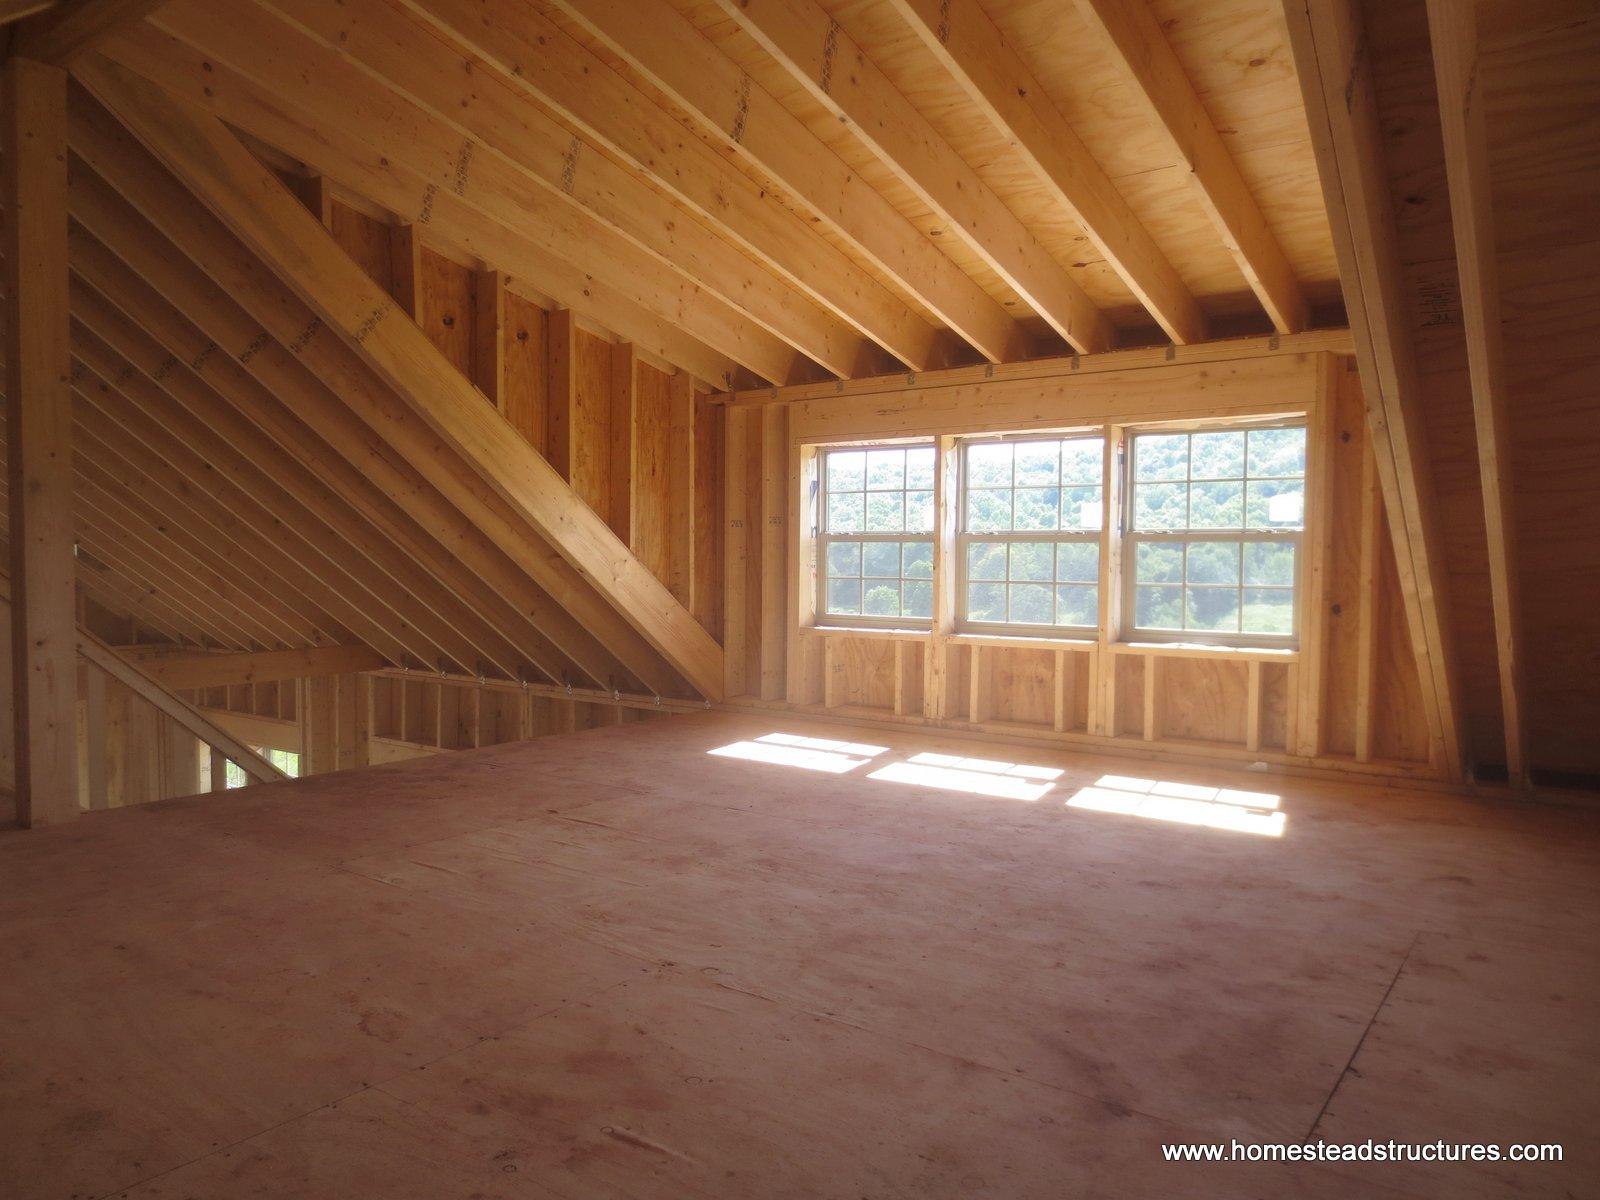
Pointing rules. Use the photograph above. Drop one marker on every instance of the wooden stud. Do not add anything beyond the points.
(33, 178)
(1453, 32)
(95, 763)
(489, 336)
(736, 555)
(683, 470)
(1252, 715)
(1152, 697)
(1317, 546)
(622, 440)
(774, 461)
(1335, 75)
(1372, 537)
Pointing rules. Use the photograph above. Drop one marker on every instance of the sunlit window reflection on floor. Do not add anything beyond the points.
(975, 776)
(1184, 803)
(809, 753)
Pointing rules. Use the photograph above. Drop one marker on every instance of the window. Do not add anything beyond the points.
(1031, 514)
(285, 760)
(1214, 521)
(876, 536)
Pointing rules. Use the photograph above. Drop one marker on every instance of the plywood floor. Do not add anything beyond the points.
(613, 964)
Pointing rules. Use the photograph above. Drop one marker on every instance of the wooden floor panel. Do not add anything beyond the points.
(612, 964)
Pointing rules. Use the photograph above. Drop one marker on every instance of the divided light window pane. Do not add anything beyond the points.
(1214, 531)
(875, 538)
(1032, 510)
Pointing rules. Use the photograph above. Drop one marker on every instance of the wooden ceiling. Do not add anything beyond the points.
(780, 191)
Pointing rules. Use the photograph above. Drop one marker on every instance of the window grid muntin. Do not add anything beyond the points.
(1244, 534)
(827, 539)
(966, 537)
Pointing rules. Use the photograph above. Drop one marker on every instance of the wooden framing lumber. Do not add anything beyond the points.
(33, 183)
(1132, 38)
(263, 324)
(535, 57)
(294, 409)
(16, 10)
(1336, 82)
(102, 657)
(665, 48)
(72, 28)
(245, 195)
(968, 45)
(188, 670)
(1453, 32)
(839, 75)
(583, 205)
(622, 289)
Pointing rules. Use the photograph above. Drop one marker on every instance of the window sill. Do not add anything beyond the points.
(868, 631)
(1014, 641)
(1279, 654)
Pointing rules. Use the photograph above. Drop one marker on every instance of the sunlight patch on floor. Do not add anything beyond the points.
(975, 776)
(808, 753)
(1184, 804)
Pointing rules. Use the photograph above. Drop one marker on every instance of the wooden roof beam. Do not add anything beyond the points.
(72, 28)
(839, 75)
(285, 488)
(148, 277)
(263, 213)
(534, 57)
(1452, 28)
(666, 49)
(1336, 82)
(960, 35)
(97, 654)
(188, 670)
(1132, 39)
(567, 253)
(317, 479)
(260, 321)
(125, 402)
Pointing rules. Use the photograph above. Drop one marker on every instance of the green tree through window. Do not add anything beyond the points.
(876, 536)
(1031, 514)
(1215, 520)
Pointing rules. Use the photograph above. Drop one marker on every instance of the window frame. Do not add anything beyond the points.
(965, 536)
(1131, 538)
(822, 618)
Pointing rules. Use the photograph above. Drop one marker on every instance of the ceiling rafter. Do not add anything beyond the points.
(1132, 39)
(655, 41)
(134, 264)
(291, 241)
(538, 239)
(532, 165)
(257, 425)
(519, 505)
(960, 35)
(285, 487)
(534, 58)
(126, 401)
(842, 78)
